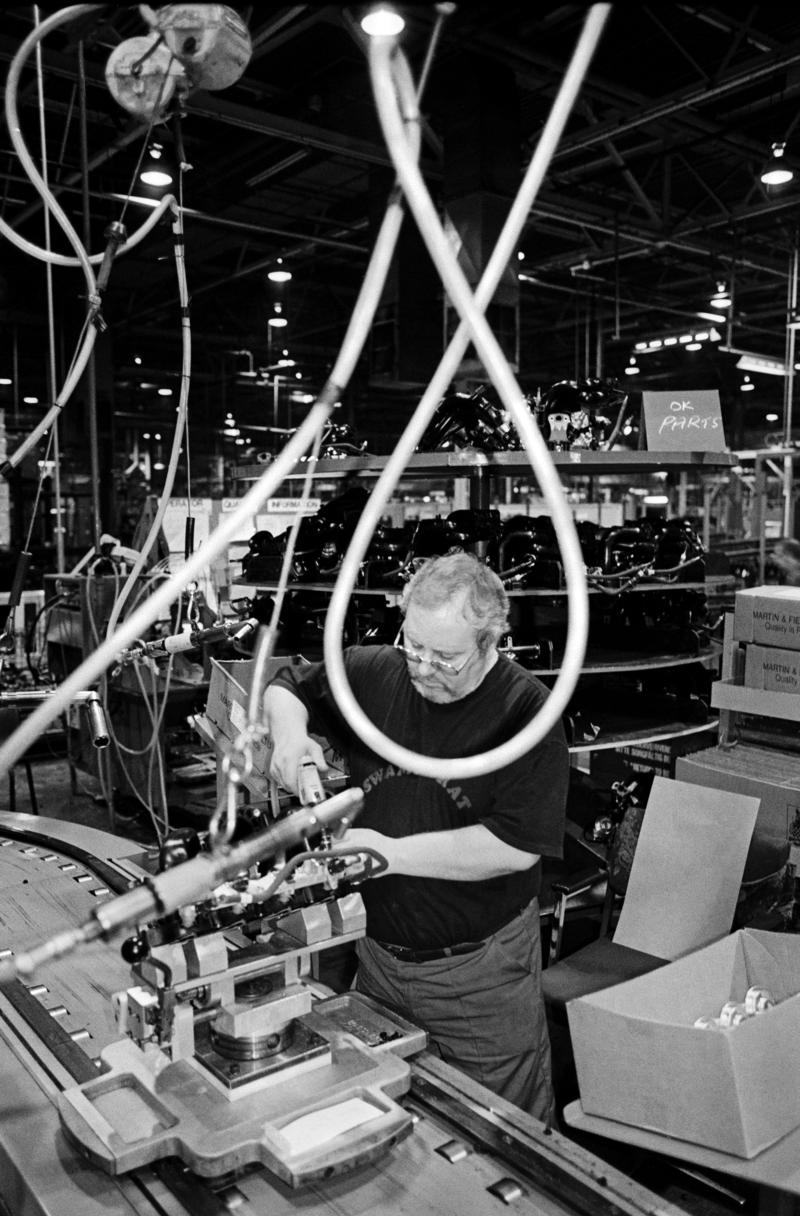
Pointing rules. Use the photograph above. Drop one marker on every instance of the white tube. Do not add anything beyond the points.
(395, 127)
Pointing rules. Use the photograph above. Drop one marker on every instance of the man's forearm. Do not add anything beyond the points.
(471, 854)
(284, 713)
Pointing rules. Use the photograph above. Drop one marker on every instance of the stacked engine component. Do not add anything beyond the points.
(590, 414)
(522, 549)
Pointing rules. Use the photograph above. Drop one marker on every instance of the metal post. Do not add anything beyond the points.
(788, 394)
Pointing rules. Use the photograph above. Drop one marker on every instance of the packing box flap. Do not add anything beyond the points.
(688, 868)
(640, 1059)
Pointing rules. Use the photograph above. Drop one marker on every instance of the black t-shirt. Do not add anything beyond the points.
(522, 804)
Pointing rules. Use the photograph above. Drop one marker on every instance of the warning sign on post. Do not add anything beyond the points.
(683, 421)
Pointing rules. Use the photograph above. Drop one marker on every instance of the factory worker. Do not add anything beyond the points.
(453, 937)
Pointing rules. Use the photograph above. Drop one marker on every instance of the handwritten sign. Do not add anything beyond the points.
(683, 421)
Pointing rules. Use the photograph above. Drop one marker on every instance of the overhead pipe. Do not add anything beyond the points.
(679, 101)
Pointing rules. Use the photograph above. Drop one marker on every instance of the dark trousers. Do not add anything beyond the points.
(483, 1011)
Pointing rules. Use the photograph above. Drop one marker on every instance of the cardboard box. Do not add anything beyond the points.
(768, 615)
(226, 709)
(772, 668)
(228, 695)
(765, 773)
(640, 1059)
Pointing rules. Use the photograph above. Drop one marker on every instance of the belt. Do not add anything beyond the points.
(405, 955)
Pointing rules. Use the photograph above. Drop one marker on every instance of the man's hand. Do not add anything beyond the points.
(287, 722)
(365, 838)
(287, 755)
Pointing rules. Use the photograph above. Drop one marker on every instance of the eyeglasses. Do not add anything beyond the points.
(449, 669)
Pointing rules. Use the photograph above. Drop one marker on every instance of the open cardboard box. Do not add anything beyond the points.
(641, 1061)
(227, 707)
(229, 694)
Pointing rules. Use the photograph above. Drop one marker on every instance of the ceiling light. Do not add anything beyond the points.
(655, 500)
(30, 400)
(694, 346)
(382, 21)
(762, 364)
(633, 368)
(279, 273)
(155, 177)
(278, 321)
(776, 172)
(721, 297)
(770, 417)
(165, 392)
(717, 317)
(5, 380)
(747, 385)
(155, 172)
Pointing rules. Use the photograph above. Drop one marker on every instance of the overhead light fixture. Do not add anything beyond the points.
(770, 417)
(278, 321)
(656, 500)
(279, 273)
(760, 363)
(382, 21)
(633, 368)
(716, 317)
(747, 385)
(721, 297)
(155, 172)
(776, 172)
(691, 341)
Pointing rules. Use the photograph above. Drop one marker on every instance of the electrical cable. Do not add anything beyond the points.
(239, 760)
(394, 95)
(82, 259)
(180, 425)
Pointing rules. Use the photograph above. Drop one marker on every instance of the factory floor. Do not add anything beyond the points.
(77, 797)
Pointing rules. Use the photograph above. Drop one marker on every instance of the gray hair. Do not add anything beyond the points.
(442, 579)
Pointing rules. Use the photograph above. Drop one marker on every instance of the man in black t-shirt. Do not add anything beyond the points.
(453, 925)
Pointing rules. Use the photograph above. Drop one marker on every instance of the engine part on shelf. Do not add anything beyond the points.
(321, 542)
(538, 655)
(528, 555)
(469, 420)
(670, 622)
(386, 562)
(339, 439)
(581, 414)
(642, 550)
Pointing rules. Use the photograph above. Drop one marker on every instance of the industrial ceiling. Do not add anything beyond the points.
(652, 199)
